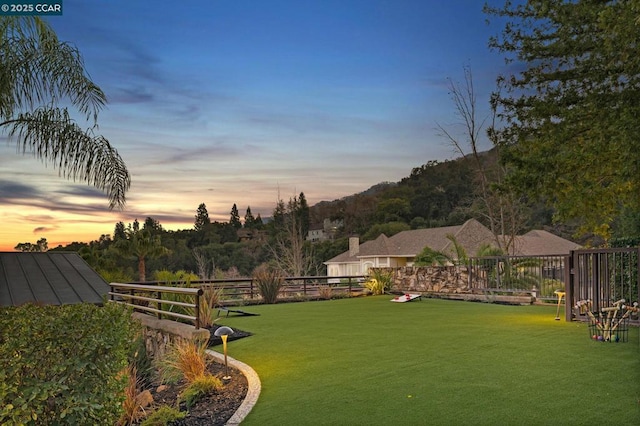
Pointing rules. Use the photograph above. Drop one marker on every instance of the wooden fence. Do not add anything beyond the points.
(152, 296)
(149, 298)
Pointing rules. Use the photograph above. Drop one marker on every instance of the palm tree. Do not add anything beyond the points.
(38, 75)
(142, 245)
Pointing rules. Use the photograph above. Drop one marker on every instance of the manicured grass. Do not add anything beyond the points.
(366, 361)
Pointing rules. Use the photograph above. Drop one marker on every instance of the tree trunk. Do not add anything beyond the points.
(142, 276)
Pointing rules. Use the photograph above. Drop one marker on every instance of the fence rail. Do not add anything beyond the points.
(130, 295)
(148, 296)
(542, 275)
(243, 289)
(604, 276)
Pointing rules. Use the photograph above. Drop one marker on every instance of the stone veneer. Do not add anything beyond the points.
(450, 282)
(160, 333)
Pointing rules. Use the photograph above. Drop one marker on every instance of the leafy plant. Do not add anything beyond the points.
(61, 364)
(269, 282)
(200, 387)
(380, 281)
(163, 416)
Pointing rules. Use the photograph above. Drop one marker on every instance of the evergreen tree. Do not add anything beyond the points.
(303, 214)
(152, 225)
(202, 218)
(235, 218)
(119, 232)
(258, 222)
(249, 220)
(571, 111)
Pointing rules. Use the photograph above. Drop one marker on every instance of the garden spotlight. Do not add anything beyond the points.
(223, 332)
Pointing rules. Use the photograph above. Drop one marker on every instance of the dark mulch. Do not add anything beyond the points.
(213, 410)
(216, 408)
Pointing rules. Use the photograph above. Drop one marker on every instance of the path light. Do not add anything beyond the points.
(223, 332)
(560, 295)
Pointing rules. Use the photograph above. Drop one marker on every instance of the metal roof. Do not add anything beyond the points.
(49, 278)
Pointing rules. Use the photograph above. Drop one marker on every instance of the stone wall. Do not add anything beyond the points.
(430, 279)
(449, 282)
(161, 333)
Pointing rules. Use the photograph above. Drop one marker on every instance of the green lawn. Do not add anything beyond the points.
(367, 361)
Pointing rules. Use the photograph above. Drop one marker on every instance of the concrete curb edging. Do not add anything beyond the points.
(253, 391)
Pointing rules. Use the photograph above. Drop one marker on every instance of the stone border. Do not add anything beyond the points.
(253, 391)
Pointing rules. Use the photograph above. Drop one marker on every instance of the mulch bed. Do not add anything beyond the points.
(215, 409)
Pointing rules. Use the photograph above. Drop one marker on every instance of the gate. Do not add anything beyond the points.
(603, 276)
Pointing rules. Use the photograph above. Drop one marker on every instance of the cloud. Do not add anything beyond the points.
(10, 191)
(41, 229)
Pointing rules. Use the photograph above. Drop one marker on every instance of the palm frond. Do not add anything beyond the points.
(38, 69)
(50, 134)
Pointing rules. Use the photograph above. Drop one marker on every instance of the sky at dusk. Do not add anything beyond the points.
(247, 101)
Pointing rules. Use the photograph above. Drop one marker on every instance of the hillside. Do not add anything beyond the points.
(438, 193)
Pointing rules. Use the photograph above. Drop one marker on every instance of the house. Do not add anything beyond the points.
(324, 231)
(49, 278)
(542, 243)
(401, 249)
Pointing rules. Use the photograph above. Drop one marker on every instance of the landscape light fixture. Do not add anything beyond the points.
(560, 295)
(223, 332)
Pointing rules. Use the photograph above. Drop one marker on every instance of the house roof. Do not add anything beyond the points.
(470, 235)
(542, 243)
(51, 278)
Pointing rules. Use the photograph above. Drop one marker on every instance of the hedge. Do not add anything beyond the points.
(63, 364)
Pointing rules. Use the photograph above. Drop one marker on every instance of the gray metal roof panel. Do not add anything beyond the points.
(52, 278)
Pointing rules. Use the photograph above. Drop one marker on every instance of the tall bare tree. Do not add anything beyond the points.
(497, 207)
(290, 252)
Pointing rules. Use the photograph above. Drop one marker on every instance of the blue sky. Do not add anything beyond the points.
(223, 102)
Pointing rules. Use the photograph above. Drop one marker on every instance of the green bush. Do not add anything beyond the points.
(380, 281)
(63, 364)
(163, 416)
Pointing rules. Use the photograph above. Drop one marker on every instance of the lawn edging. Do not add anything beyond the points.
(253, 391)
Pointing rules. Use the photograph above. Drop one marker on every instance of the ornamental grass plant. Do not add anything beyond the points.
(269, 282)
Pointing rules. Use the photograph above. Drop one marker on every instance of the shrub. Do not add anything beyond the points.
(199, 388)
(269, 283)
(325, 292)
(163, 416)
(379, 281)
(61, 364)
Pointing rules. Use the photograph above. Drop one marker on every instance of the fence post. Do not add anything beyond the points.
(200, 291)
(569, 277)
(159, 303)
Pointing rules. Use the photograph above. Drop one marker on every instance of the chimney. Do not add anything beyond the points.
(354, 246)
